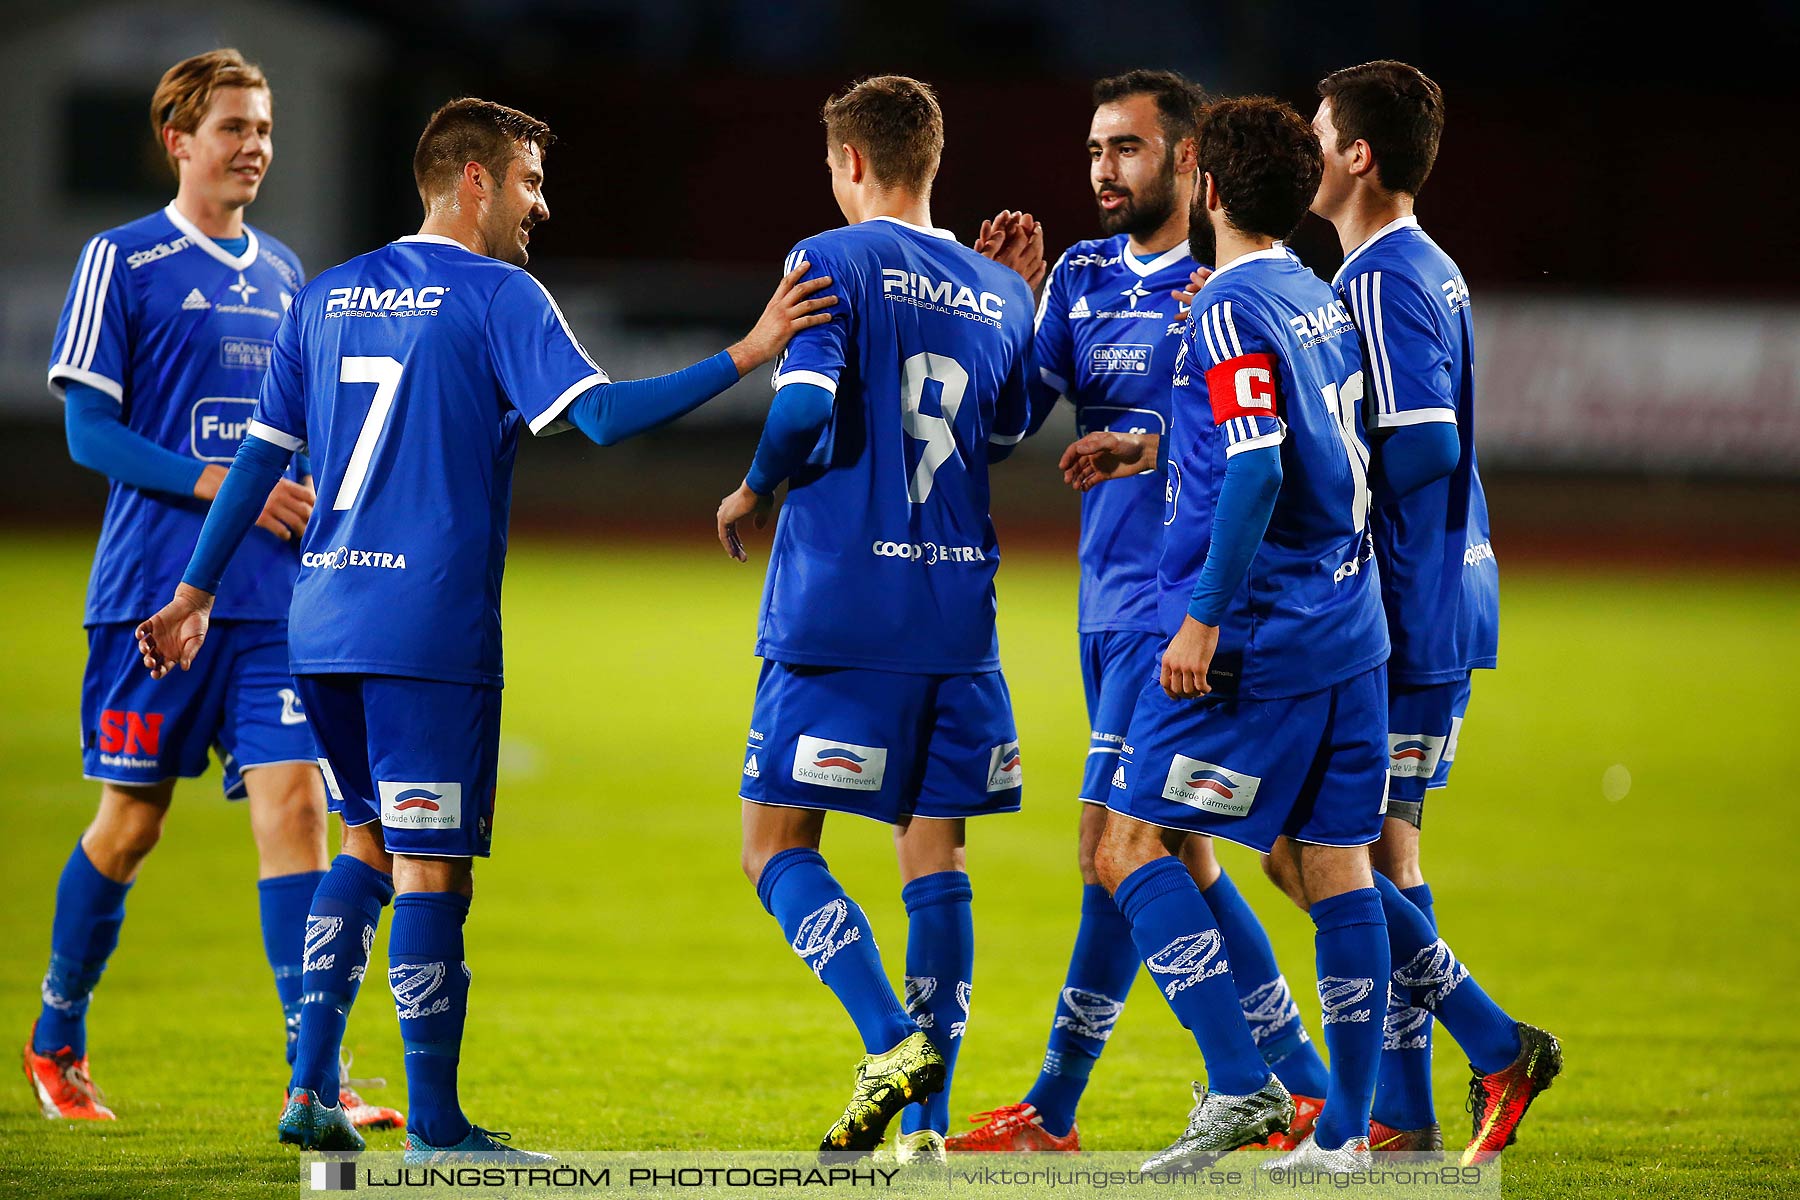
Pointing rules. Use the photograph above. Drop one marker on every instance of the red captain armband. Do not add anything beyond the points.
(1243, 387)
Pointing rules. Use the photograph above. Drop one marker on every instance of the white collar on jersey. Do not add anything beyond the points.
(237, 263)
(928, 230)
(436, 239)
(1394, 226)
(1167, 258)
(1278, 250)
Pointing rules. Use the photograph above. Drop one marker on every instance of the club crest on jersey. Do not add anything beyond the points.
(1191, 958)
(1210, 787)
(394, 300)
(839, 764)
(1088, 1014)
(1005, 771)
(1339, 996)
(822, 934)
(216, 426)
(420, 805)
(1414, 755)
(941, 295)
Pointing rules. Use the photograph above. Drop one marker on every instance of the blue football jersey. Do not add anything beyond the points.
(163, 320)
(1439, 578)
(1270, 359)
(884, 555)
(1108, 331)
(407, 374)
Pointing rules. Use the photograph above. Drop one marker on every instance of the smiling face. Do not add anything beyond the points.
(1131, 167)
(227, 155)
(514, 205)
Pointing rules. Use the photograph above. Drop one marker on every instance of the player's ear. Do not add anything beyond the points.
(1362, 158)
(1212, 192)
(475, 177)
(174, 142)
(1187, 156)
(857, 165)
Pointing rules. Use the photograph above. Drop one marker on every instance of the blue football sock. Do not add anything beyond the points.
(430, 982)
(1101, 971)
(83, 934)
(1423, 963)
(1175, 933)
(340, 929)
(1268, 1005)
(832, 936)
(1352, 957)
(1403, 1085)
(283, 902)
(940, 969)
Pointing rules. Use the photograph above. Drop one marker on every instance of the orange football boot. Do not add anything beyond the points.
(1306, 1115)
(64, 1090)
(1014, 1128)
(1498, 1102)
(1385, 1139)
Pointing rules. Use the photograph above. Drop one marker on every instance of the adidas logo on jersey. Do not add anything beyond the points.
(1081, 308)
(195, 301)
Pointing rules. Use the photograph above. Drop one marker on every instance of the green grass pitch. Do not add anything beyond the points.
(630, 993)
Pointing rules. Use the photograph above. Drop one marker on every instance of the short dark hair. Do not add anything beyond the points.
(1179, 100)
(469, 130)
(1265, 163)
(895, 121)
(1395, 108)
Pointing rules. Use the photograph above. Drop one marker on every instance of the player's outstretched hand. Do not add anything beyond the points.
(174, 635)
(734, 508)
(1104, 455)
(1187, 659)
(1015, 239)
(288, 509)
(1195, 282)
(792, 308)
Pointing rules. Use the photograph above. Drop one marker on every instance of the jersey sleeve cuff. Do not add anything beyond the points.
(275, 437)
(815, 378)
(1054, 380)
(550, 420)
(1414, 416)
(61, 375)
(1254, 443)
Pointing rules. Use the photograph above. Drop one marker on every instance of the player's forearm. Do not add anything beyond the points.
(1246, 502)
(1043, 396)
(1414, 456)
(234, 510)
(608, 413)
(100, 441)
(796, 418)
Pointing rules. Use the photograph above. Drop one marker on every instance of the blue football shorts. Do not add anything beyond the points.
(418, 755)
(882, 744)
(1312, 767)
(1424, 723)
(238, 700)
(1115, 664)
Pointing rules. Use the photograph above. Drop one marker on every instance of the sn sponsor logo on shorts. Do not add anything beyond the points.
(420, 805)
(1414, 755)
(1338, 998)
(822, 934)
(129, 739)
(1191, 958)
(1005, 771)
(1210, 787)
(836, 764)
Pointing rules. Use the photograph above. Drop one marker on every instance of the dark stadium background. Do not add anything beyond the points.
(1607, 184)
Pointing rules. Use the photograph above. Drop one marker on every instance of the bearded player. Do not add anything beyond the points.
(1108, 330)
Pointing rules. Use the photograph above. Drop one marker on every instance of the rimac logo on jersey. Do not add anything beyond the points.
(941, 295)
(1414, 755)
(420, 805)
(1321, 324)
(1243, 387)
(399, 301)
(1210, 787)
(1005, 771)
(1191, 958)
(1456, 292)
(1120, 358)
(217, 425)
(839, 764)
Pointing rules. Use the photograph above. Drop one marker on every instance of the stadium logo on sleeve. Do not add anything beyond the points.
(1338, 996)
(1210, 787)
(421, 805)
(1191, 958)
(1005, 771)
(839, 764)
(217, 425)
(1414, 755)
